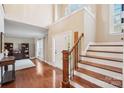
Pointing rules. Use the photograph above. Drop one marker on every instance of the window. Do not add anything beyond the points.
(72, 7)
(117, 20)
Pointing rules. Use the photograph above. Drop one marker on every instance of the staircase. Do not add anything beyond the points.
(100, 67)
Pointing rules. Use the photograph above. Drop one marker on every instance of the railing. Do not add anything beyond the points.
(68, 66)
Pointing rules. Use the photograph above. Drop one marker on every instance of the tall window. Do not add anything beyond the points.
(72, 7)
(117, 18)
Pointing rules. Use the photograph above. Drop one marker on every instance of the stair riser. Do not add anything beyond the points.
(94, 80)
(101, 54)
(104, 62)
(101, 71)
(103, 48)
(106, 43)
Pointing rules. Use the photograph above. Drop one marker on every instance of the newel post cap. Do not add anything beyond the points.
(65, 51)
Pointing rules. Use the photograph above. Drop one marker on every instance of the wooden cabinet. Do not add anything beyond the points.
(7, 75)
(9, 47)
(19, 54)
(25, 50)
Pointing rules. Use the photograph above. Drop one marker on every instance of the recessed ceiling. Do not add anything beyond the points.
(16, 29)
(35, 14)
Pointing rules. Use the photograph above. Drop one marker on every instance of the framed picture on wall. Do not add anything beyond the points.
(1, 42)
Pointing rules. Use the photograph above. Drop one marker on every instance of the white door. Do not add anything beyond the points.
(59, 46)
(40, 52)
(62, 42)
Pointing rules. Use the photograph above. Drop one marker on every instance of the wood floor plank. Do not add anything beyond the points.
(40, 76)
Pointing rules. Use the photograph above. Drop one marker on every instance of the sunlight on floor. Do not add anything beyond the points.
(39, 68)
(54, 78)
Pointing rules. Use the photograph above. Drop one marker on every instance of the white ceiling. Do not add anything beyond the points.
(35, 14)
(16, 29)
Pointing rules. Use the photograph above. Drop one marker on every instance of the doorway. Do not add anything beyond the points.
(62, 41)
(40, 52)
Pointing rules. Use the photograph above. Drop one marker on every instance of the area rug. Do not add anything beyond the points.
(24, 63)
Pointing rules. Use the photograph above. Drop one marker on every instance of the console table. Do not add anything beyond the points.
(7, 75)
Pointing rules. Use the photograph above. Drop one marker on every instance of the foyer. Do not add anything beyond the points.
(65, 45)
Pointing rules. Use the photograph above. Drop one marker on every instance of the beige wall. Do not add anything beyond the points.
(71, 23)
(103, 27)
(79, 21)
(89, 29)
(17, 41)
(102, 22)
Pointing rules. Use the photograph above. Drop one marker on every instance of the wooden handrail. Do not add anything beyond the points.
(76, 43)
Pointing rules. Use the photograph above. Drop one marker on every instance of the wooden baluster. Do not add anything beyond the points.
(65, 82)
(76, 56)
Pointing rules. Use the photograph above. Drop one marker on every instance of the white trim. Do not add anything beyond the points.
(50, 63)
(46, 61)
(85, 51)
(3, 11)
(90, 13)
(32, 57)
(115, 33)
(81, 9)
(111, 27)
(76, 85)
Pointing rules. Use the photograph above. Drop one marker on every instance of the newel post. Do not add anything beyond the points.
(65, 82)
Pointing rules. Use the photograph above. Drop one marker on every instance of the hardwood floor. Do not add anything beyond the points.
(41, 76)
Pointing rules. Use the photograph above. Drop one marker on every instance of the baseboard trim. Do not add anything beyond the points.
(32, 57)
(85, 51)
(49, 63)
